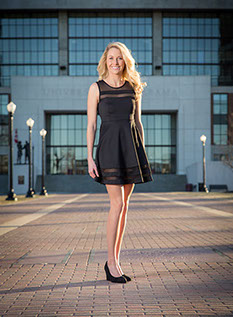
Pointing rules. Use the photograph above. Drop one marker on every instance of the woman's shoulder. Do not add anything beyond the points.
(94, 86)
(93, 89)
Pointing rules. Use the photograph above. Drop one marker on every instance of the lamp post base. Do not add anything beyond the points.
(11, 196)
(43, 192)
(30, 194)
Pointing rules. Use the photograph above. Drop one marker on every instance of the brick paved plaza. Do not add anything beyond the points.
(177, 248)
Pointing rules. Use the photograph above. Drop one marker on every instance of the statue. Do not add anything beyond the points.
(20, 152)
(27, 152)
(57, 162)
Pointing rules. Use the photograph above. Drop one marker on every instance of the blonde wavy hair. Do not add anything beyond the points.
(129, 72)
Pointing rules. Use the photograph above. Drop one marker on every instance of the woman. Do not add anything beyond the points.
(121, 160)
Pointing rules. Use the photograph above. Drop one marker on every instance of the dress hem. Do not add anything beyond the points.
(133, 182)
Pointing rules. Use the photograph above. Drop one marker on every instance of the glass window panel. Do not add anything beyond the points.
(173, 44)
(224, 128)
(47, 57)
(166, 58)
(215, 70)
(215, 57)
(158, 154)
(194, 31)
(223, 139)
(71, 122)
(216, 108)
(208, 57)
(158, 122)
(54, 30)
(193, 43)
(56, 137)
(72, 57)
(158, 137)
(150, 122)
(180, 70)
(166, 122)
(78, 137)
(64, 120)
(84, 122)
(194, 58)
(223, 97)
(166, 45)
(187, 70)
(216, 98)
(71, 137)
(64, 137)
(224, 108)
(207, 30)
(180, 30)
(166, 137)
(186, 57)
(150, 153)
(173, 58)
(215, 30)
(217, 128)
(150, 137)
(207, 70)
(166, 154)
(84, 137)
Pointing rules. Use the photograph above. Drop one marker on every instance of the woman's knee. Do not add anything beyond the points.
(117, 203)
(116, 196)
(126, 203)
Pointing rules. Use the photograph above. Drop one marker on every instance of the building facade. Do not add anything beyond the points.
(49, 57)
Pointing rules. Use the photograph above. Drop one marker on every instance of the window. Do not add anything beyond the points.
(66, 144)
(29, 45)
(4, 100)
(220, 119)
(199, 44)
(3, 164)
(160, 141)
(89, 34)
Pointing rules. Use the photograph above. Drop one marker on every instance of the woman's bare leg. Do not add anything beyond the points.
(128, 189)
(116, 195)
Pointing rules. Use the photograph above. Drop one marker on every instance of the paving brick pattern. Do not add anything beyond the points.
(178, 254)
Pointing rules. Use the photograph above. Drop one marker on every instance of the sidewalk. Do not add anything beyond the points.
(177, 248)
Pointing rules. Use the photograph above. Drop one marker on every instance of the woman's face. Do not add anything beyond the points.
(115, 61)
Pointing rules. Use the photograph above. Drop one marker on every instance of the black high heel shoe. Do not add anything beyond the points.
(110, 277)
(127, 277)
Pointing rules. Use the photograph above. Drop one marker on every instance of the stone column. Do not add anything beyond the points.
(157, 43)
(63, 42)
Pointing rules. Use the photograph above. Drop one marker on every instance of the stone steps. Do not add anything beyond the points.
(85, 184)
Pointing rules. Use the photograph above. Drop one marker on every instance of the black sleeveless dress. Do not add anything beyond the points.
(120, 155)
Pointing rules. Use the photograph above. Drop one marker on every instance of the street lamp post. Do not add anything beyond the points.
(30, 193)
(43, 133)
(11, 109)
(203, 139)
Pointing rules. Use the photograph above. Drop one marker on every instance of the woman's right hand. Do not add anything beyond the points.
(92, 169)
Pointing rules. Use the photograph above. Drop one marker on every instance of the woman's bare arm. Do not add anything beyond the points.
(138, 118)
(92, 102)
